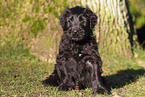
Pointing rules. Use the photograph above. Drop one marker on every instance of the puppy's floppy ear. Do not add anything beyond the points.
(92, 16)
(63, 17)
(93, 20)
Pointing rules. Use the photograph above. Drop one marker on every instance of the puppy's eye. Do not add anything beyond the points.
(82, 19)
(70, 19)
(83, 22)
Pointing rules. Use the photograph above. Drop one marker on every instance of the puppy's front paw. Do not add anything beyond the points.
(101, 90)
(64, 87)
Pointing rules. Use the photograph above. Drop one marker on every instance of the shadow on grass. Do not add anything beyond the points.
(123, 77)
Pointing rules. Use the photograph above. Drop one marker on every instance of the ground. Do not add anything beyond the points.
(21, 74)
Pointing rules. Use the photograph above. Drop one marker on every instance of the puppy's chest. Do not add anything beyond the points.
(80, 51)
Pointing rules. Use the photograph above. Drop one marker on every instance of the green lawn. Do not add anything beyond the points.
(21, 74)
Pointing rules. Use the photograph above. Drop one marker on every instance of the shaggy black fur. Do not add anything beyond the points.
(78, 64)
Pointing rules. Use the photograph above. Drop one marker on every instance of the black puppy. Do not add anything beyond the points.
(78, 64)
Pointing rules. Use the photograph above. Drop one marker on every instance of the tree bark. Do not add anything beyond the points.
(115, 28)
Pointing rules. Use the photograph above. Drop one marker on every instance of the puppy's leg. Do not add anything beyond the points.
(96, 80)
(70, 73)
(52, 80)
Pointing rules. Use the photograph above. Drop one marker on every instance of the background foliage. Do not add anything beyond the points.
(137, 8)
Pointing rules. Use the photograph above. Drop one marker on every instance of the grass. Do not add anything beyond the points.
(21, 74)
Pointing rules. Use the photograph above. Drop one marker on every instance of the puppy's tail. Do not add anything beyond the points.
(52, 80)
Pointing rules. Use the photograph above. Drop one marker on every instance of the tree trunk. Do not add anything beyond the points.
(115, 29)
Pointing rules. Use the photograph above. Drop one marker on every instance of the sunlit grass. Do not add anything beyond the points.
(21, 74)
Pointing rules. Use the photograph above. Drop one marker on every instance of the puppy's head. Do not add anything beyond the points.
(78, 22)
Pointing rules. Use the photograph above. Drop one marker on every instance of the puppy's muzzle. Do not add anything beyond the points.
(75, 29)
